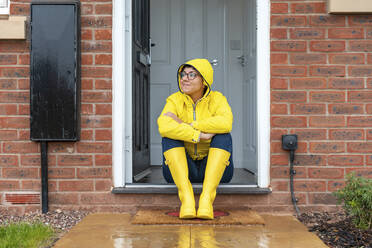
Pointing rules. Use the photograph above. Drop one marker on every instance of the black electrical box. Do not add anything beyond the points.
(55, 71)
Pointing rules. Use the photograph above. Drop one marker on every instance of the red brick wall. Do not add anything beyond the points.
(320, 90)
(74, 168)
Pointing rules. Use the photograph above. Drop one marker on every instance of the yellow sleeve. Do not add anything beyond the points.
(222, 120)
(170, 128)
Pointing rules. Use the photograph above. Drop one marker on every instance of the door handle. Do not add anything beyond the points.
(214, 62)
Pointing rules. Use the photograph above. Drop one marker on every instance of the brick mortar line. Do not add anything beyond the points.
(96, 28)
(71, 166)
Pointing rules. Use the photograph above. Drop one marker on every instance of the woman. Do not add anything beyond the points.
(195, 125)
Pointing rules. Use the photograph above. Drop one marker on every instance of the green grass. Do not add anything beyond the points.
(25, 235)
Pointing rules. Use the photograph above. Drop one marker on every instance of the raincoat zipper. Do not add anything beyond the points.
(195, 146)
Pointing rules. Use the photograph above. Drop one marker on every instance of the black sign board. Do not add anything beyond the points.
(55, 71)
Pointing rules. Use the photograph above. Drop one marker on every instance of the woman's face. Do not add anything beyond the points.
(193, 87)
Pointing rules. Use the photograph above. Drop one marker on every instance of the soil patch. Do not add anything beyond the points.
(336, 229)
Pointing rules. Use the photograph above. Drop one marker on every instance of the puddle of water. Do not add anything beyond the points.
(263, 241)
(122, 243)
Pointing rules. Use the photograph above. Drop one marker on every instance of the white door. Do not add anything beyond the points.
(247, 60)
(250, 87)
(216, 30)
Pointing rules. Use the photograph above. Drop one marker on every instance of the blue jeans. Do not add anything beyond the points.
(197, 167)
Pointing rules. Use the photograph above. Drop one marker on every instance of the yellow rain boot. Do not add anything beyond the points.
(218, 159)
(176, 160)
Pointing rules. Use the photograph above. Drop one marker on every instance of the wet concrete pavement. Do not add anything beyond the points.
(115, 231)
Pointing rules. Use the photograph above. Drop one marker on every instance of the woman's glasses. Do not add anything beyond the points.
(190, 75)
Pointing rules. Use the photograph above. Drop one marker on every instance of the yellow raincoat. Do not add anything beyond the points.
(211, 114)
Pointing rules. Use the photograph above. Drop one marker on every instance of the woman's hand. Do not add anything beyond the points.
(174, 117)
(206, 136)
(203, 136)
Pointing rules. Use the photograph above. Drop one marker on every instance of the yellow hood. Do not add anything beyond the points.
(204, 68)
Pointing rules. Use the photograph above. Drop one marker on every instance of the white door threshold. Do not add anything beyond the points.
(138, 188)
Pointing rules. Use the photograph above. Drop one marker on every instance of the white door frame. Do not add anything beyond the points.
(122, 92)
